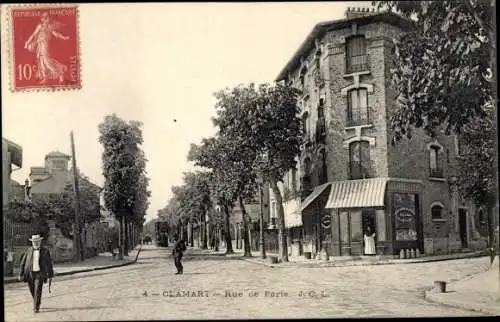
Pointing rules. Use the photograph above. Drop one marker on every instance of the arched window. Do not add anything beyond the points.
(356, 58)
(359, 160)
(357, 107)
(437, 212)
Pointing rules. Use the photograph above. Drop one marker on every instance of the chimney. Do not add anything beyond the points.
(352, 12)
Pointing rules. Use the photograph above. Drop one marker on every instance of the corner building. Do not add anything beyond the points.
(349, 176)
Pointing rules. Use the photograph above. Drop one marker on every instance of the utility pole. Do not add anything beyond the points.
(76, 190)
(261, 242)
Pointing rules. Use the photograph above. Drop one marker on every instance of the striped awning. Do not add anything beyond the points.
(315, 194)
(357, 193)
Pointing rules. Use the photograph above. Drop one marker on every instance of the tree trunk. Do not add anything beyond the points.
(227, 231)
(246, 238)
(121, 238)
(204, 243)
(283, 247)
(126, 236)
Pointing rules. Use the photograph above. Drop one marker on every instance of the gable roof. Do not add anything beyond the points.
(321, 28)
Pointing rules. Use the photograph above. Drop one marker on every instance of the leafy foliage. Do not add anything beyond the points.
(477, 167)
(444, 66)
(124, 168)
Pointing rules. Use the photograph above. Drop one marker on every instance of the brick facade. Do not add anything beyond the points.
(322, 73)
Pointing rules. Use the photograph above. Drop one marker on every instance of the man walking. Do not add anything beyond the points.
(36, 269)
(179, 248)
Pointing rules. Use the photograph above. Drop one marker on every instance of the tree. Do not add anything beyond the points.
(197, 200)
(124, 170)
(445, 67)
(264, 122)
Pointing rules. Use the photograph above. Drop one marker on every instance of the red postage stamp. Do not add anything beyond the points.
(45, 53)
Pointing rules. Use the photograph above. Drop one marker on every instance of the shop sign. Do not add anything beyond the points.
(405, 215)
(326, 221)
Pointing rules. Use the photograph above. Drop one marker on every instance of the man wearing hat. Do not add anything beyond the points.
(177, 251)
(36, 269)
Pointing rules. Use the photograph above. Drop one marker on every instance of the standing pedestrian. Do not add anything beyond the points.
(177, 252)
(36, 269)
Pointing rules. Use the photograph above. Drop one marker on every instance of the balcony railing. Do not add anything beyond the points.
(436, 173)
(360, 170)
(356, 118)
(356, 64)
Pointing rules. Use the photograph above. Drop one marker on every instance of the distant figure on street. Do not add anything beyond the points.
(369, 238)
(36, 269)
(177, 252)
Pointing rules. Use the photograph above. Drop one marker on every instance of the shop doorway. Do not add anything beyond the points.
(368, 219)
(462, 222)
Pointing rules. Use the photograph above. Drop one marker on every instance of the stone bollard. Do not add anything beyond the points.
(417, 253)
(401, 254)
(413, 253)
(407, 253)
(440, 286)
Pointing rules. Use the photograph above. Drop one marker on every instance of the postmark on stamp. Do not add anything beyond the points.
(44, 48)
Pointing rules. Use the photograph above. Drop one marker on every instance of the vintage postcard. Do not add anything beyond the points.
(178, 161)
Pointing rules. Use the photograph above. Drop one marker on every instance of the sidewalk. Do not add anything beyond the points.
(102, 261)
(343, 261)
(476, 293)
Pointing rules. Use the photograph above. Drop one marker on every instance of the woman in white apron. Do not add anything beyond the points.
(369, 238)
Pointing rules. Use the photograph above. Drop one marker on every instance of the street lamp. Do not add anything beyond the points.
(260, 182)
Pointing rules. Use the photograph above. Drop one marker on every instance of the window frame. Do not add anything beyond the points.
(350, 46)
(361, 114)
(362, 163)
(441, 208)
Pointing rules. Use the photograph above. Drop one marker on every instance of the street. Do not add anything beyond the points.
(215, 287)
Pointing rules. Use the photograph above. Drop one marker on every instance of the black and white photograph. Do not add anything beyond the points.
(249, 160)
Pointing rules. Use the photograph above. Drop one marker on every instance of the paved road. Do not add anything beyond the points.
(128, 293)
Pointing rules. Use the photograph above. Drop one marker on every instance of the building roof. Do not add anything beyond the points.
(55, 183)
(321, 28)
(16, 152)
(57, 154)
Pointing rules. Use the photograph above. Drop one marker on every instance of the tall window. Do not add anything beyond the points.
(323, 178)
(357, 107)
(434, 163)
(356, 54)
(359, 160)
(305, 123)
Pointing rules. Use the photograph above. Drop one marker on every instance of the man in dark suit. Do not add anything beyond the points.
(36, 269)
(177, 252)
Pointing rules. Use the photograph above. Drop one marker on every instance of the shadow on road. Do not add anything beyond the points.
(57, 309)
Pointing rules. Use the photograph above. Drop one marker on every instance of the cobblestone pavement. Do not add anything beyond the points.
(128, 293)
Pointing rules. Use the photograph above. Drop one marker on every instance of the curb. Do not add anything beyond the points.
(86, 270)
(437, 298)
(360, 263)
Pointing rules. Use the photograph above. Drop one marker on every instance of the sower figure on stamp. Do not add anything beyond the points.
(179, 248)
(36, 269)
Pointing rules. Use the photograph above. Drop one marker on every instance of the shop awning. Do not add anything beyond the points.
(357, 193)
(318, 190)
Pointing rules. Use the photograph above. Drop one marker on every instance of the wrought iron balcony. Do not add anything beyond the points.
(356, 64)
(436, 172)
(356, 118)
(360, 170)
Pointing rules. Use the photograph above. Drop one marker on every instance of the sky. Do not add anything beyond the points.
(155, 63)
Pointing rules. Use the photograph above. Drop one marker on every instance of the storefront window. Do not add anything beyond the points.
(405, 216)
(381, 234)
(344, 227)
(356, 232)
